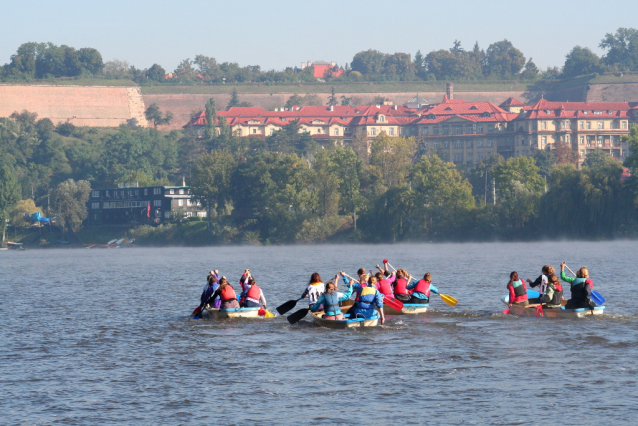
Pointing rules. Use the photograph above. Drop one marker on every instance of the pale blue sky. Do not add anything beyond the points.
(276, 34)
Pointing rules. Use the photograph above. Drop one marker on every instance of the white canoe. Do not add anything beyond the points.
(347, 323)
(230, 313)
(530, 311)
(408, 309)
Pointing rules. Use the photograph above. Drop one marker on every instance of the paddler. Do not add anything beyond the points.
(314, 290)
(226, 294)
(541, 281)
(254, 296)
(553, 295)
(212, 285)
(401, 286)
(420, 290)
(517, 290)
(368, 297)
(330, 300)
(581, 288)
(384, 285)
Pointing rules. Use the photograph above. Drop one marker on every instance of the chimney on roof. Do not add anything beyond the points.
(449, 91)
(332, 108)
(303, 66)
(395, 108)
(333, 63)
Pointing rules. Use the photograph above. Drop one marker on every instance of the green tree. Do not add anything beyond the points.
(622, 49)
(185, 70)
(90, 60)
(9, 195)
(211, 119)
(291, 139)
(581, 61)
(154, 114)
(234, 99)
(368, 62)
(294, 100)
(69, 203)
(531, 71)
(325, 181)
(518, 169)
(156, 73)
(598, 159)
(332, 101)
(504, 60)
(348, 168)
(545, 161)
(392, 158)
(211, 181)
(632, 138)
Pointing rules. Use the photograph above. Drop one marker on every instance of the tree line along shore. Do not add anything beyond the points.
(284, 188)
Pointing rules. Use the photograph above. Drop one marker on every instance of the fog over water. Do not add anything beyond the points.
(103, 337)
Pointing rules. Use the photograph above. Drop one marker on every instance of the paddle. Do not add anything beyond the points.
(506, 311)
(196, 311)
(297, 316)
(539, 311)
(287, 306)
(269, 314)
(444, 297)
(595, 296)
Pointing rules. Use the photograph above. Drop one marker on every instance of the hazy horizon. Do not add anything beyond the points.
(279, 34)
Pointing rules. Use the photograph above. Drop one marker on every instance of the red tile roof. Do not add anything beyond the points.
(511, 102)
(320, 70)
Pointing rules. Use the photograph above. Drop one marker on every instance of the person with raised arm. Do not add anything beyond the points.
(420, 290)
(330, 300)
(580, 287)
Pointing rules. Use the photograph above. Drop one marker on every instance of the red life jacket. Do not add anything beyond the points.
(385, 287)
(422, 287)
(254, 292)
(227, 293)
(401, 287)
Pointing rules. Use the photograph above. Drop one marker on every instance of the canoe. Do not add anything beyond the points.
(530, 311)
(219, 314)
(408, 309)
(347, 323)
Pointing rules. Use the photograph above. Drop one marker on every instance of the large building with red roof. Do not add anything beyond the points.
(459, 131)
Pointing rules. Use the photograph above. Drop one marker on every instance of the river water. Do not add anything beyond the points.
(103, 337)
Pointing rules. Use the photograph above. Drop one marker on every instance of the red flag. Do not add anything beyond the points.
(148, 210)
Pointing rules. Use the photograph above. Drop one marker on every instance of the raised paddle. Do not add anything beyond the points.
(282, 309)
(391, 302)
(297, 316)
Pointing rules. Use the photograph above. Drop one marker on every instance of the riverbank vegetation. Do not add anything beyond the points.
(284, 188)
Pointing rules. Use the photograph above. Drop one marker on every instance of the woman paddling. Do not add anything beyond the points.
(368, 297)
(253, 295)
(330, 301)
(314, 290)
(213, 284)
(553, 295)
(581, 288)
(226, 294)
(420, 290)
(517, 290)
(401, 286)
(541, 281)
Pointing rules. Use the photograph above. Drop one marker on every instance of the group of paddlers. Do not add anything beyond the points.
(551, 291)
(369, 291)
(219, 293)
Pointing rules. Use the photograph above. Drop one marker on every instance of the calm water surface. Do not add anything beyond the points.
(103, 337)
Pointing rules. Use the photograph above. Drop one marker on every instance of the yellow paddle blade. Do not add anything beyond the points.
(448, 299)
(269, 314)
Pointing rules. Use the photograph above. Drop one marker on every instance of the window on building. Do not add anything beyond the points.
(446, 130)
(157, 203)
(180, 203)
(336, 132)
(544, 125)
(481, 156)
(623, 124)
(600, 140)
(171, 191)
(435, 144)
(157, 191)
(543, 140)
(582, 140)
(581, 125)
(568, 139)
(272, 131)
(458, 144)
(95, 194)
(601, 124)
(469, 144)
(391, 130)
(568, 124)
(158, 213)
(446, 144)
(373, 131)
(562, 124)
(188, 203)
(254, 131)
(95, 206)
(435, 130)
(145, 191)
(479, 128)
(480, 143)
(426, 130)
(238, 132)
(490, 128)
(490, 142)
(589, 124)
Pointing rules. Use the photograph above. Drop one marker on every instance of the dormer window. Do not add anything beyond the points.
(610, 112)
(431, 116)
(598, 112)
(381, 118)
(585, 112)
(486, 114)
(548, 112)
(473, 107)
(448, 109)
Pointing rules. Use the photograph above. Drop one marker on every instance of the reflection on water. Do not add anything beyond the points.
(103, 336)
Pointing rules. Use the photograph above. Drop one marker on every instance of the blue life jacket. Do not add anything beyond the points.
(366, 298)
(331, 304)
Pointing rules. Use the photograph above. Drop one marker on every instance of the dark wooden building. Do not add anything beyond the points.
(130, 204)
